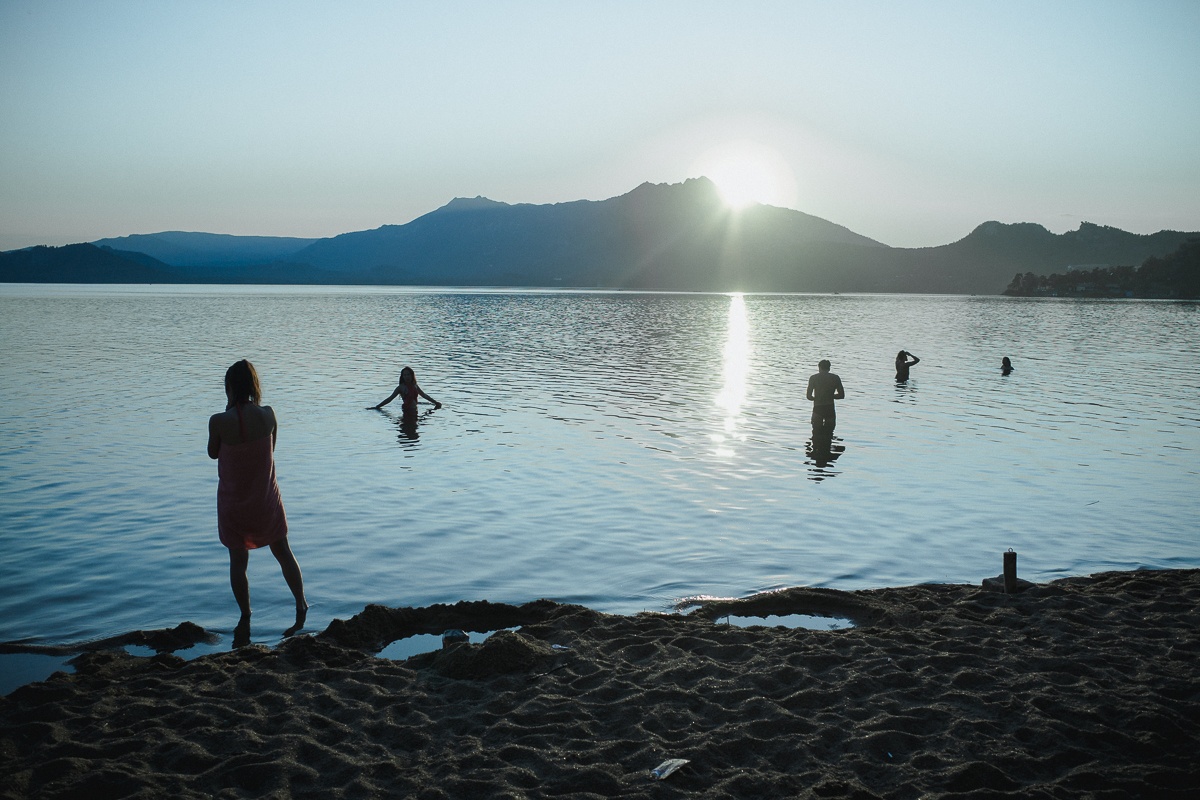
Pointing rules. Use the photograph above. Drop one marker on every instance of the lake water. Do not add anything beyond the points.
(619, 450)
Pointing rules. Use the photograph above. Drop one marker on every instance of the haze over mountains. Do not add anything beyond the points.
(207, 249)
(658, 236)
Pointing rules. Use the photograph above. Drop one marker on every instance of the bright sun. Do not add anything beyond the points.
(747, 173)
(743, 181)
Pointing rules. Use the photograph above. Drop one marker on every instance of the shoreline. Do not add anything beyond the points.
(1079, 687)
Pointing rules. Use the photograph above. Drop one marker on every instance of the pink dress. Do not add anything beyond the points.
(249, 507)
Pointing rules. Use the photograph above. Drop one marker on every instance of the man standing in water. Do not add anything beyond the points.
(823, 388)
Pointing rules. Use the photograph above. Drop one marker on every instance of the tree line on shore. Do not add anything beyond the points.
(1174, 276)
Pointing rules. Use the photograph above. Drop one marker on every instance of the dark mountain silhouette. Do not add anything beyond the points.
(678, 236)
(658, 236)
(682, 236)
(80, 263)
(184, 249)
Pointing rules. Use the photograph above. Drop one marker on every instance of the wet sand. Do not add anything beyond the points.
(1085, 687)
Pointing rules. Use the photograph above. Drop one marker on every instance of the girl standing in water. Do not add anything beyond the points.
(249, 507)
(408, 392)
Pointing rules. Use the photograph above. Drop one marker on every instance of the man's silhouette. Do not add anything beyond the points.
(823, 388)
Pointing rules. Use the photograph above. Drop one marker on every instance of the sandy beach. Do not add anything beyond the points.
(1084, 687)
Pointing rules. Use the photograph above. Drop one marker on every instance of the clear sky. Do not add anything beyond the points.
(909, 122)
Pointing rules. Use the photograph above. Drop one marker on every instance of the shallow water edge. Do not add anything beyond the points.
(402, 633)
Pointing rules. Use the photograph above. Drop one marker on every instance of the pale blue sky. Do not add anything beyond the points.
(909, 122)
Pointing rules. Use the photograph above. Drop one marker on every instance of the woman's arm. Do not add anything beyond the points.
(391, 397)
(421, 392)
(214, 438)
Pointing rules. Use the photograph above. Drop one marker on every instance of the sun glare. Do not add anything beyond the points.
(747, 173)
(742, 182)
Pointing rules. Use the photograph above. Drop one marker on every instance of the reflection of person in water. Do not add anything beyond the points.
(823, 388)
(903, 363)
(408, 391)
(249, 507)
(406, 427)
(823, 453)
(1006, 366)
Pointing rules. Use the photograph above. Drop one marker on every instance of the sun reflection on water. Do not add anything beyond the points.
(736, 370)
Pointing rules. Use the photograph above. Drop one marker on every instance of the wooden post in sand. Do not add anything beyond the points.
(454, 637)
(1010, 571)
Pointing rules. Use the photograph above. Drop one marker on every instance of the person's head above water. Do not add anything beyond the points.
(241, 383)
(1004, 362)
(407, 376)
(824, 365)
(903, 354)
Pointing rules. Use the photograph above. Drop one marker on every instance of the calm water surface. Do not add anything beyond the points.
(618, 450)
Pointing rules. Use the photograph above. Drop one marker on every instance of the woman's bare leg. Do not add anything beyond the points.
(291, 572)
(238, 559)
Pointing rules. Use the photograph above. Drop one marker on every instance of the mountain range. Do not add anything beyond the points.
(658, 236)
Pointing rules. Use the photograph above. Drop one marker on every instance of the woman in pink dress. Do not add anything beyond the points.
(249, 507)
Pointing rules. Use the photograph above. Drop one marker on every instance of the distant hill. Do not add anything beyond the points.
(986, 259)
(657, 236)
(87, 263)
(80, 263)
(183, 249)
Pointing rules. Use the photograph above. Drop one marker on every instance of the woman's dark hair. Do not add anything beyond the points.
(409, 370)
(241, 381)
